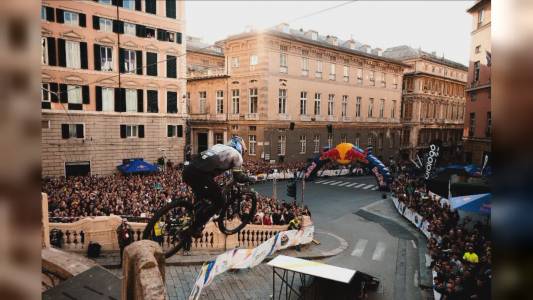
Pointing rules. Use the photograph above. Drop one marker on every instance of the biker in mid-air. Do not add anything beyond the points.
(200, 175)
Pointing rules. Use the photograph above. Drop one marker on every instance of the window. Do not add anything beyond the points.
(252, 128)
(305, 65)
(71, 18)
(130, 61)
(131, 100)
(175, 131)
(129, 4)
(151, 64)
(104, 1)
(282, 101)
(74, 93)
(344, 138)
(108, 99)
(382, 108)
(316, 143)
(331, 98)
(219, 138)
(152, 101)
(282, 140)
(476, 70)
(129, 28)
(393, 109)
(151, 6)
(303, 144)
(45, 92)
(252, 141)
(488, 131)
(344, 107)
(383, 82)
(330, 140)
(317, 104)
(480, 17)
(303, 103)
(283, 62)
(332, 72)
(43, 13)
(132, 131)
(253, 101)
(149, 32)
(76, 131)
(358, 107)
(235, 62)
(380, 141)
(235, 127)
(478, 48)
(220, 102)
(203, 101)
(357, 140)
(345, 71)
(318, 73)
(72, 52)
(370, 107)
(235, 101)
(359, 76)
(44, 50)
(106, 58)
(395, 82)
(106, 25)
(369, 142)
(172, 66)
(171, 9)
(172, 102)
(253, 61)
(391, 141)
(472, 128)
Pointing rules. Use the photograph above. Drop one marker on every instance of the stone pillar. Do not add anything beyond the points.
(45, 225)
(210, 138)
(225, 136)
(413, 139)
(144, 272)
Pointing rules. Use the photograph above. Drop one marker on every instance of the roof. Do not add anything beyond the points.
(477, 5)
(206, 77)
(433, 75)
(405, 52)
(321, 41)
(205, 50)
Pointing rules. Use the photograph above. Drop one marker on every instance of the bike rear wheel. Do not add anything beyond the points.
(238, 213)
(169, 218)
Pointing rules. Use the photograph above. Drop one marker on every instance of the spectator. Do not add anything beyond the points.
(124, 236)
(470, 256)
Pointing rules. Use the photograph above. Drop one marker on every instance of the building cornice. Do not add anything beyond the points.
(425, 74)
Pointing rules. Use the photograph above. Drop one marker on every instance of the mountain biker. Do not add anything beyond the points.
(201, 172)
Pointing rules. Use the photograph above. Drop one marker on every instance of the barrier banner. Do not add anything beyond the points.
(249, 258)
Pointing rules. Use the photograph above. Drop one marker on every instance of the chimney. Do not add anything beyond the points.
(331, 39)
(379, 51)
(434, 53)
(365, 48)
(283, 27)
(349, 44)
(311, 34)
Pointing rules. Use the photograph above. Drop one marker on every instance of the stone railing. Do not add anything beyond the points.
(77, 235)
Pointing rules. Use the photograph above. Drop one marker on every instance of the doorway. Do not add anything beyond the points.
(78, 168)
(202, 141)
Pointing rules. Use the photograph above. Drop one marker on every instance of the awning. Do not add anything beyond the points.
(480, 203)
(137, 166)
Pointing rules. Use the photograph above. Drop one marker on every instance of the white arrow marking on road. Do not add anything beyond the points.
(379, 251)
(414, 245)
(368, 186)
(335, 182)
(351, 184)
(343, 184)
(359, 247)
(359, 185)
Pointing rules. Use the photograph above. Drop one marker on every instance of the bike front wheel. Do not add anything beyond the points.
(237, 214)
(172, 221)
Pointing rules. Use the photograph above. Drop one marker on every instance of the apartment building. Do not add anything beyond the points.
(478, 115)
(113, 84)
(289, 93)
(433, 101)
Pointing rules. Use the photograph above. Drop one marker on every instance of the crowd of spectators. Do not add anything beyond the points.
(461, 250)
(139, 196)
(256, 167)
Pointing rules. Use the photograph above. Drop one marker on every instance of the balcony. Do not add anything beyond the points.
(346, 78)
(283, 69)
(251, 116)
(234, 117)
(332, 77)
(318, 75)
(305, 118)
(305, 73)
(332, 118)
(347, 119)
(317, 118)
(206, 73)
(284, 117)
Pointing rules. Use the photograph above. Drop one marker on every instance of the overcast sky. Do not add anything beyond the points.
(441, 26)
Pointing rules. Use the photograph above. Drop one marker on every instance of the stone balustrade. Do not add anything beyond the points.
(77, 235)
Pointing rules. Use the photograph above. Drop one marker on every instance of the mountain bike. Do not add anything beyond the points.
(177, 218)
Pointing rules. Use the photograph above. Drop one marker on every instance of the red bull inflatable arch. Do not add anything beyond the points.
(346, 153)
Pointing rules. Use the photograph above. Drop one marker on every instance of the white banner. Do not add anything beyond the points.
(249, 258)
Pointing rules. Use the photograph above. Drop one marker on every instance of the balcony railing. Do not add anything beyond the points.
(305, 118)
(284, 117)
(251, 116)
(207, 72)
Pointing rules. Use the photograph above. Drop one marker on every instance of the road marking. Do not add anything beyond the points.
(359, 247)
(326, 181)
(414, 244)
(351, 184)
(379, 251)
(345, 183)
(368, 186)
(359, 185)
(415, 279)
(335, 182)
(374, 188)
(320, 181)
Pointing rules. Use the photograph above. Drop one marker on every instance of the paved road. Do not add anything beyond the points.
(381, 250)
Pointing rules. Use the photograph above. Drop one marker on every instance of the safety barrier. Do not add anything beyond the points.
(420, 223)
(263, 177)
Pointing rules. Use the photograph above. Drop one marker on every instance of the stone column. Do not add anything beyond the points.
(225, 136)
(44, 222)
(210, 138)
